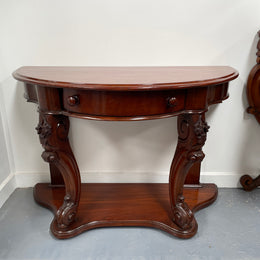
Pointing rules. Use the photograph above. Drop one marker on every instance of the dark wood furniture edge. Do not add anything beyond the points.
(253, 96)
(126, 87)
(51, 197)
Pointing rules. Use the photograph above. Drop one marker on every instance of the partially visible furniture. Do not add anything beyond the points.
(253, 96)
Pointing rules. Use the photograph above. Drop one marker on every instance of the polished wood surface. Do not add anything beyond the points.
(253, 87)
(125, 106)
(253, 97)
(124, 94)
(117, 104)
(111, 204)
(126, 78)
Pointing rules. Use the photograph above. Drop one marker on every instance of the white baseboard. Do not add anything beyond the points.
(30, 179)
(221, 179)
(25, 179)
(7, 187)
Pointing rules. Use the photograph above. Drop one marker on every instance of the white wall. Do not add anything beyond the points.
(7, 178)
(5, 168)
(132, 32)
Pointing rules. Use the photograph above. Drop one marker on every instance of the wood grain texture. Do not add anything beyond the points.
(126, 78)
(114, 205)
(120, 103)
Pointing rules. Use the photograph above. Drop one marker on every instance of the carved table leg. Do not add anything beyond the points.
(56, 176)
(53, 132)
(192, 130)
(249, 183)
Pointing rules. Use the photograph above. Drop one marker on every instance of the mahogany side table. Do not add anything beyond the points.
(124, 94)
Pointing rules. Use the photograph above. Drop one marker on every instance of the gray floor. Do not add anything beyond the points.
(228, 229)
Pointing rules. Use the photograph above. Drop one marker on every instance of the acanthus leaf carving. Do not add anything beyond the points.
(200, 129)
(44, 130)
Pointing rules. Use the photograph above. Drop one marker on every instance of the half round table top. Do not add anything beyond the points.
(126, 78)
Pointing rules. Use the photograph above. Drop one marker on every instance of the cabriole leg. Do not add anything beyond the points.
(53, 132)
(192, 130)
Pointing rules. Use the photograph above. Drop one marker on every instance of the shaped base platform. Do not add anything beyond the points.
(124, 204)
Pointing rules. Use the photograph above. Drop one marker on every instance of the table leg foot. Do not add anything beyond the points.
(248, 183)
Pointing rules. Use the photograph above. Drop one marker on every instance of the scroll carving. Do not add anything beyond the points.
(182, 215)
(192, 130)
(67, 212)
(249, 183)
(53, 133)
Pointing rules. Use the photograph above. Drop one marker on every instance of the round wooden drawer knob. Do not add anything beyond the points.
(73, 100)
(172, 102)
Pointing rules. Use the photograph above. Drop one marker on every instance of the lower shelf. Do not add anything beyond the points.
(106, 204)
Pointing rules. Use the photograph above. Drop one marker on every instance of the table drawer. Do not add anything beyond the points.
(124, 104)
